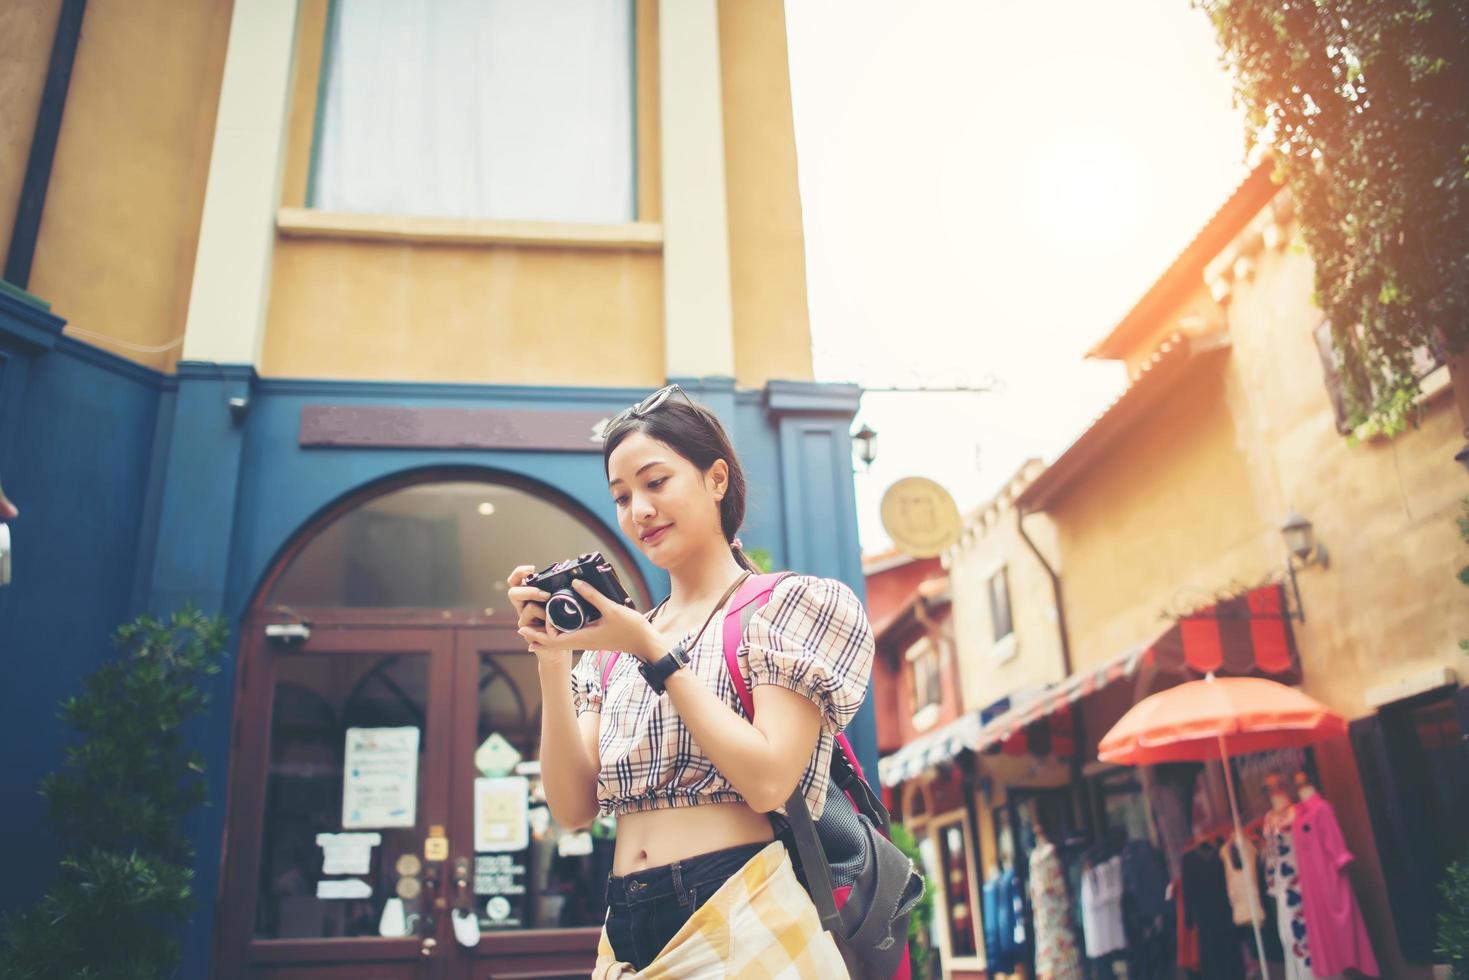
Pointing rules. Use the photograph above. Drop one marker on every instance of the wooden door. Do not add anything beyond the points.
(536, 891)
(339, 775)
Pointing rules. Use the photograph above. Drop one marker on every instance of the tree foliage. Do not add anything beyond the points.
(1365, 104)
(117, 805)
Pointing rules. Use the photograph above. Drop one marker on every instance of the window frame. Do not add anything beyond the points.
(296, 218)
(1003, 577)
(934, 829)
(925, 652)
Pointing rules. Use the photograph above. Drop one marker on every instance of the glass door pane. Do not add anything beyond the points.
(346, 791)
(530, 872)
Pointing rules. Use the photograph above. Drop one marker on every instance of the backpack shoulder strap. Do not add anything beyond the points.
(753, 594)
(607, 669)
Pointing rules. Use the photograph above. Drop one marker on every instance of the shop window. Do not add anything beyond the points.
(1334, 368)
(310, 831)
(1414, 765)
(1000, 605)
(923, 666)
(433, 545)
(956, 879)
(459, 109)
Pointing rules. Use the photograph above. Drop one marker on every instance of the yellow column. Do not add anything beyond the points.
(231, 284)
(697, 324)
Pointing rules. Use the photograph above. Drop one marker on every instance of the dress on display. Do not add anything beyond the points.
(1282, 881)
(1101, 908)
(1338, 934)
(1056, 955)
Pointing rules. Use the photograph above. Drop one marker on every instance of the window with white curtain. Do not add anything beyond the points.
(505, 109)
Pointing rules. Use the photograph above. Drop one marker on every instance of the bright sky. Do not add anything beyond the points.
(988, 186)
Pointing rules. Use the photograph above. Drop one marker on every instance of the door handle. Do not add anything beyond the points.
(463, 897)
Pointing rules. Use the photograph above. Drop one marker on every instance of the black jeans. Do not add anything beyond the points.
(646, 909)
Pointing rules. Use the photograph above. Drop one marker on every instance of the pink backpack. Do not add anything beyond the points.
(863, 886)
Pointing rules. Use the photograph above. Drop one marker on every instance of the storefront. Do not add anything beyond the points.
(371, 747)
(1029, 783)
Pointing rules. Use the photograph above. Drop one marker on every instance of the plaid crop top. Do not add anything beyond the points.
(811, 637)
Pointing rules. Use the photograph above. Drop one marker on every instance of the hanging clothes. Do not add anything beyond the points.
(1056, 956)
(1145, 911)
(1208, 908)
(1004, 927)
(1240, 874)
(1101, 908)
(1283, 884)
(1338, 935)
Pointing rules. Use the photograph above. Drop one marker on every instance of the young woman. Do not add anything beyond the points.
(699, 882)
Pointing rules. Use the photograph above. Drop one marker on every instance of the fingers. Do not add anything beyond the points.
(531, 614)
(586, 591)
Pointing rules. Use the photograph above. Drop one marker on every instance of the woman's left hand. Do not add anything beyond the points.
(620, 628)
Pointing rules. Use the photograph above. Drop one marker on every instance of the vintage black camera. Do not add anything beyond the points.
(566, 610)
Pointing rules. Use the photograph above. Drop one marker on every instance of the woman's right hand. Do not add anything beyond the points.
(530, 609)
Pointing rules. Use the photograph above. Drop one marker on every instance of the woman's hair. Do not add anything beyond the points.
(694, 432)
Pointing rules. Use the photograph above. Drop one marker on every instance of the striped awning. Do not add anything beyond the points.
(1245, 635)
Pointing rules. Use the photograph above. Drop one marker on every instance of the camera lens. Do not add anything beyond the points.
(565, 613)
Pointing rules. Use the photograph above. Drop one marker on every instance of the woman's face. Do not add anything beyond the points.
(664, 504)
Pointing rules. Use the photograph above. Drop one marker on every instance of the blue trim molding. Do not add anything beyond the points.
(26, 327)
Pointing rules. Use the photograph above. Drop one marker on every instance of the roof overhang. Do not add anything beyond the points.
(1186, 273)
(1170, 366)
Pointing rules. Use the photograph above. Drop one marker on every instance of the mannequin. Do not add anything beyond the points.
(1339, 936)
(1282, 879)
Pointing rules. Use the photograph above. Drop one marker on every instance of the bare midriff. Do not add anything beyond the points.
(653, 838)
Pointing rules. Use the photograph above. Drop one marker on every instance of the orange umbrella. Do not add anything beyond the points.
(1213, 719)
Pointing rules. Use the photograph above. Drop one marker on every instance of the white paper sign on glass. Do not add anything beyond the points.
(343, 888)
(501, 814)
(347, 854)
(380, 778)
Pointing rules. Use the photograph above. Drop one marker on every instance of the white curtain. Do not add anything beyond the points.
(512, 109)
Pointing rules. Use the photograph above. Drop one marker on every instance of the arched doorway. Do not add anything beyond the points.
(384, 775)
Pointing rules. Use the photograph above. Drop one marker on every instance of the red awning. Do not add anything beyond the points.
(1246, 635)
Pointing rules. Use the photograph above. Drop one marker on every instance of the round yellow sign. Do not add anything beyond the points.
(920, 516)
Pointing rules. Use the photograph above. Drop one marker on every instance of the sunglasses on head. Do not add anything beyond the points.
(647, 405)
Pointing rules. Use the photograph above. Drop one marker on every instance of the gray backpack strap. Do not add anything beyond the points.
(813, 862)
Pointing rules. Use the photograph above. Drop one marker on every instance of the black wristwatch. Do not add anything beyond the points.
(658, 672)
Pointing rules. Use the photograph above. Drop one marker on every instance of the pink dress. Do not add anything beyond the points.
(1333, 920)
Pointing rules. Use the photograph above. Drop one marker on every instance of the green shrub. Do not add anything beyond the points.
(922, 913)
(123, 888)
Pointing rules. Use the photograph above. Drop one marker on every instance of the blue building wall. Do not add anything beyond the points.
(76, 428)
(142, 492)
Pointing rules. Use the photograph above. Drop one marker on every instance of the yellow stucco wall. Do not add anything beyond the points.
(120, 230)
(115, 255)
(27, 28)
(1166, 518)
(342, 308)
(1031, 660)
(767, 250)
(471, 313)
(1389, 605)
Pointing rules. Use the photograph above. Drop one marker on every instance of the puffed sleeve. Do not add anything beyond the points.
(586, 682)
(813, 637)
